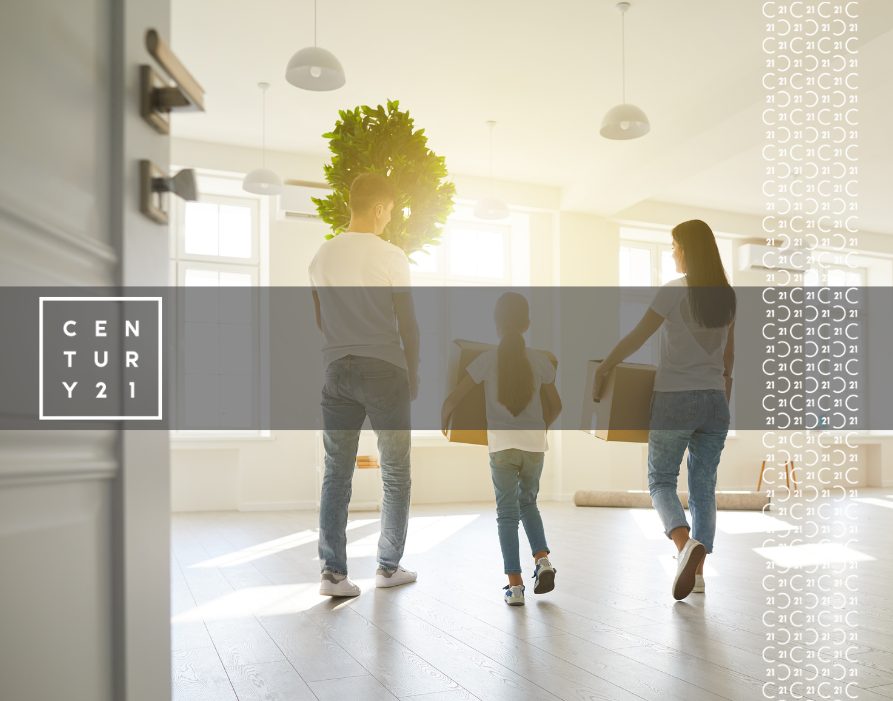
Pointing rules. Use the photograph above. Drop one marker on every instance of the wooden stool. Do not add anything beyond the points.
(789, 475)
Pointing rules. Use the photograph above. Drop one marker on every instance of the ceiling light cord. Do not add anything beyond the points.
(263, 126)
(491, 124)
(314, 23)
(623, 55)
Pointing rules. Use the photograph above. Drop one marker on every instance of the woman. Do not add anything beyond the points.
(692, 387)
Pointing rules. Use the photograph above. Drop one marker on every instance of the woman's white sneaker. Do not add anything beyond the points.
(691, 555)
(513, 595)
(334, 584)
(699, 584)
(394, 578)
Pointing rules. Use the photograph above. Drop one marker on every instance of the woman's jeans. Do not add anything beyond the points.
(516, 480)
(697, 420)
(356, 387)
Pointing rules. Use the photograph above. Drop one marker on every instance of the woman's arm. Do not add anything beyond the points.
(628, 345)
(729, 361)
(452, 401)
(551, 403)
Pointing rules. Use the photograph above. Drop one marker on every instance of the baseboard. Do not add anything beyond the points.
(363, 506)
(305, 505)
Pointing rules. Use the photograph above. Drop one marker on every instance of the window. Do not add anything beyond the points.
(827, 346)
(646, 262)
(472, 254)
(219, 242)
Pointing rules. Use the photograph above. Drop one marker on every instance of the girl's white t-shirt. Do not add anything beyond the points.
(527, 430)
(691, 355)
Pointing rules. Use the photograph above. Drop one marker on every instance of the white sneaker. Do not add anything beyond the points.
(333, 584)
(394, 578)
(691, 555)
(513, 595)
(699, 584)
(543, 576)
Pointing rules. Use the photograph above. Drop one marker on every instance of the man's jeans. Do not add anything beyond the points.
(516, 480)
(354, 388)
(697, 420)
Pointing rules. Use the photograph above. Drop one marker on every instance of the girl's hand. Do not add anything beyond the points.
(602, 373)
(445, 421)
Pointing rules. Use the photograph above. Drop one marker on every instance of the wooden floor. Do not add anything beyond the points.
(249, 624)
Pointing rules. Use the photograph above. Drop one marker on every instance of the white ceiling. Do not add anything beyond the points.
(546, 73)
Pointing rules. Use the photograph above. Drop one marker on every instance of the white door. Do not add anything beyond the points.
(84, 514)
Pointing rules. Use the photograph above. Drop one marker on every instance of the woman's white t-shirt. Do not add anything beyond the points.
(527, 430)
(691, 355)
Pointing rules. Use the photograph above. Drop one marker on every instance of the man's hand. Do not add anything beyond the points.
(602, 373)
(413, 387)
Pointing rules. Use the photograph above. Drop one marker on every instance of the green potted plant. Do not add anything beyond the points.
(383, 140)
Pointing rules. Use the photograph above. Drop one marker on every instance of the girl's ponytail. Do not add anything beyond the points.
(514, 373)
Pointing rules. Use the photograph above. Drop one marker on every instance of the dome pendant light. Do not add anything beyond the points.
(314, 68)
(624, 121)
(491, 207)
(262, 181)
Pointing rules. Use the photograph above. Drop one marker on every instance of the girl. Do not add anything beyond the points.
(692, 387)
(521, 402)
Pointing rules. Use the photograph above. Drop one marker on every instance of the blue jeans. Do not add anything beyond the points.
(697, 420)
(516, 480)
(354, 388)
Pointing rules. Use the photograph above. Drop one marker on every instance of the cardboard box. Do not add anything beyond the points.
(470, 416)
(624, 411)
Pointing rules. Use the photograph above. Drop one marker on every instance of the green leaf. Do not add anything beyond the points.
(381, 139)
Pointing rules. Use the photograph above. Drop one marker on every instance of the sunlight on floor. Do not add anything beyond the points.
(811, 554)
(738, 522)
(262, 601)
(729, 522)
(875, 502)
(649, 523)
(271, 547)
(425, 532)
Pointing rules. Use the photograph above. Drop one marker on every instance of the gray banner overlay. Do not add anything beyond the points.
(252, 358)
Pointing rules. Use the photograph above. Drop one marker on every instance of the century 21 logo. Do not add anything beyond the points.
(101, 358)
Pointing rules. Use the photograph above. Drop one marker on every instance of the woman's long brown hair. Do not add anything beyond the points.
(711, 299)
(514, 373)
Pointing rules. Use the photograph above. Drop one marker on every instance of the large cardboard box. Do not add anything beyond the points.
(624, 411)
(469, 421)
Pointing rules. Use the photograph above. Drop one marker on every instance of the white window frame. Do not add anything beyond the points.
(219, 187)
(658, 241)
(516, 271)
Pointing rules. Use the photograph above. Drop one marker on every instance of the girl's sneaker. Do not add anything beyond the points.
(514, 595)
(543, 576)
(699, 584)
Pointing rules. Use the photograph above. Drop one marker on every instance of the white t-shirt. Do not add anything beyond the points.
(691, 355)
(527, 430)
(353, 274)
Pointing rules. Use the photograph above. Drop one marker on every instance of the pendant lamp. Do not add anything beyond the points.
(314, 68)
(491, 207)
(624, 121)
(263, 181)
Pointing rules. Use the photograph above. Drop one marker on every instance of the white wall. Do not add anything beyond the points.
(568, 249)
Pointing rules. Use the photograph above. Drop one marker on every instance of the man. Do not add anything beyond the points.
(364, 309)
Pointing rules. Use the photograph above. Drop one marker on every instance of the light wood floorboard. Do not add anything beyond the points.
(248, 623)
